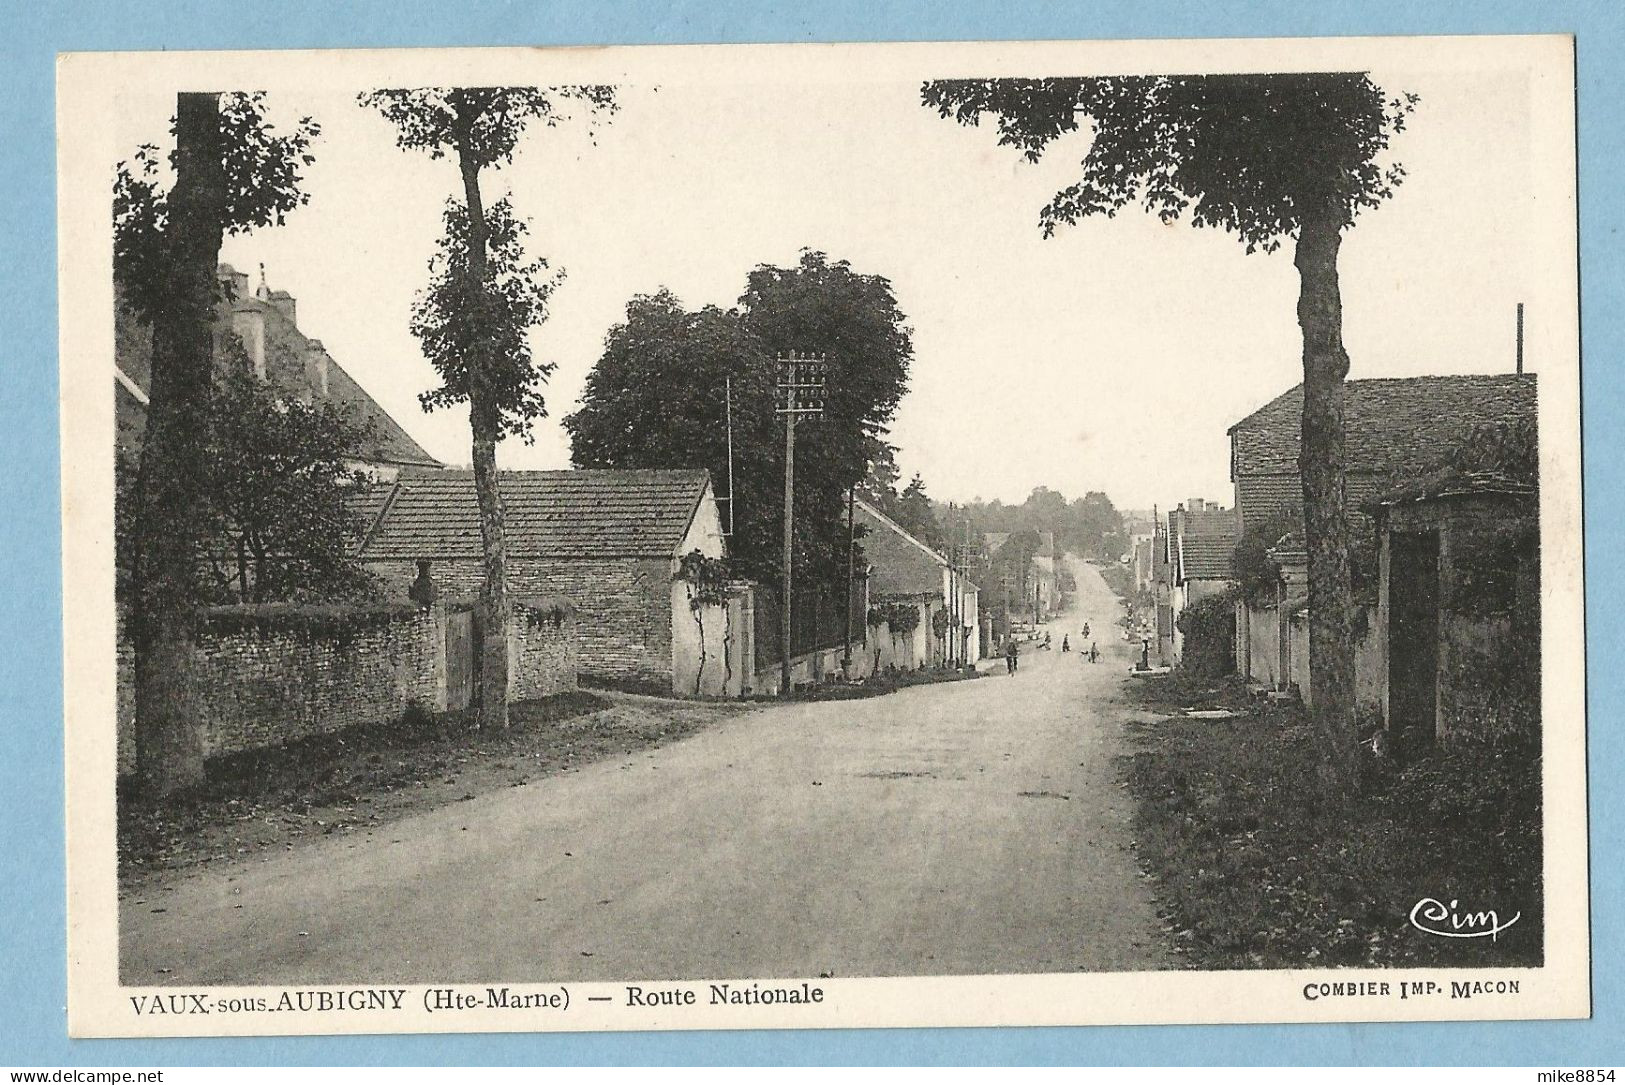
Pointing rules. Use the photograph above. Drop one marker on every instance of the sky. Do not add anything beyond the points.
(1111, 357)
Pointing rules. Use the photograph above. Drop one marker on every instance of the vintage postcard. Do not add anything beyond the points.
(822, 536)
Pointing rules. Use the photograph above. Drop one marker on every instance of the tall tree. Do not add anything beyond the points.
(656, 398)
(1264, 157)
(232, 172)
(916, 514)
(824, 306)
(483, 298)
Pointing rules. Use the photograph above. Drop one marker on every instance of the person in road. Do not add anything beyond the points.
(1046, 640)
(1012, 655)
(1094, 653)
(1066, 645)
(1085, 630)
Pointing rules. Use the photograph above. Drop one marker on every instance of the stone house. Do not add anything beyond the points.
(1394, 431)
(609, 541)
(903, 572)
(1200, 539)
(264, 322)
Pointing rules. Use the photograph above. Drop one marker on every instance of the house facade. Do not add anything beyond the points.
(1395, 429)
(1200, 539)
(608, 541)
(922, 611)
(264, 322)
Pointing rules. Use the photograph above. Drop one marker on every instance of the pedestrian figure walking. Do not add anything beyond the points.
(1011, 655)
(1085, 630)
(1066, 645)
(1094, 653)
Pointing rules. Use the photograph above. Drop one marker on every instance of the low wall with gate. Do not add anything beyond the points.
(269, 674)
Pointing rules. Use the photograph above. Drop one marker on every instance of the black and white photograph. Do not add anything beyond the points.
(822, 536)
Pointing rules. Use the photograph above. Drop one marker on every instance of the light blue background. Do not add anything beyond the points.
(32, 954)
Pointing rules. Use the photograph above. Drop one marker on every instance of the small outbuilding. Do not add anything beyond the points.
(1458, 612)
(611, 542)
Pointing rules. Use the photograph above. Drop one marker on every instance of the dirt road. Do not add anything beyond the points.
(969, 827)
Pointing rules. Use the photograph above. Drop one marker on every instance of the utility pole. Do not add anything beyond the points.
(851, 547)
(966, 559)
(802, 380)
(728, 422)
(951, 633)
(1004, 582)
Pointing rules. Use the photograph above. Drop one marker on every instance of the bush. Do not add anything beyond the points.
(1209, 626)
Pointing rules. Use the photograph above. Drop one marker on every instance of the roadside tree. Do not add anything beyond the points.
(1264, 157)
(484, 296)
(230, 171)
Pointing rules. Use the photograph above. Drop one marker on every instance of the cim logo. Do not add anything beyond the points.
(1432, 916)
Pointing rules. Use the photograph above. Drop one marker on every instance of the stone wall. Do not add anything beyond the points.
(1368, 662)
(269, 674)
(623, 606)
(542, 650)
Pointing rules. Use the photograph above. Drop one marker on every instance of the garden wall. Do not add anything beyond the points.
(269, 674)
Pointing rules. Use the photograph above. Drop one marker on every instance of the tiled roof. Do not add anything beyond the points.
(1260, 496)
(1206, 557)
(1394, 426)
(903, 565)
(286, 351)
(547, 514)
(1202, 542)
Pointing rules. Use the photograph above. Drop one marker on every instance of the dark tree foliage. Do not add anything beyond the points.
(232, 172)
(656, 399)
(483, 298)
(469, 326)
(909, 504)
(281, 495)
(261, 173)
(1089, 525)
(1209, 628)
(484, 123)
(1244, 153)
(1263, 157)
(1257, 574)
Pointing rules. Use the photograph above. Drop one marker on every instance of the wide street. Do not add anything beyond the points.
(959, 828)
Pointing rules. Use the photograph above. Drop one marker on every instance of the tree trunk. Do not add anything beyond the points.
(1325, 513)
(169, 491)
(484, 416)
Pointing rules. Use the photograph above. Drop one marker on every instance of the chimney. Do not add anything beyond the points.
(235, 283)
(249, 324)
(280, 300)
(316, 363)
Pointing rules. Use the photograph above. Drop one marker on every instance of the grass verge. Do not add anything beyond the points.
(1254, 870)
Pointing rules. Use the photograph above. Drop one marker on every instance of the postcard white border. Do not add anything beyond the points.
(99, 1006)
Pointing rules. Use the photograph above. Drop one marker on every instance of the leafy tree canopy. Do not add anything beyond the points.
(277, 491)
(262, 180)
(471, 328)
(1243, 153)
(485, 121)
(656, 398)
